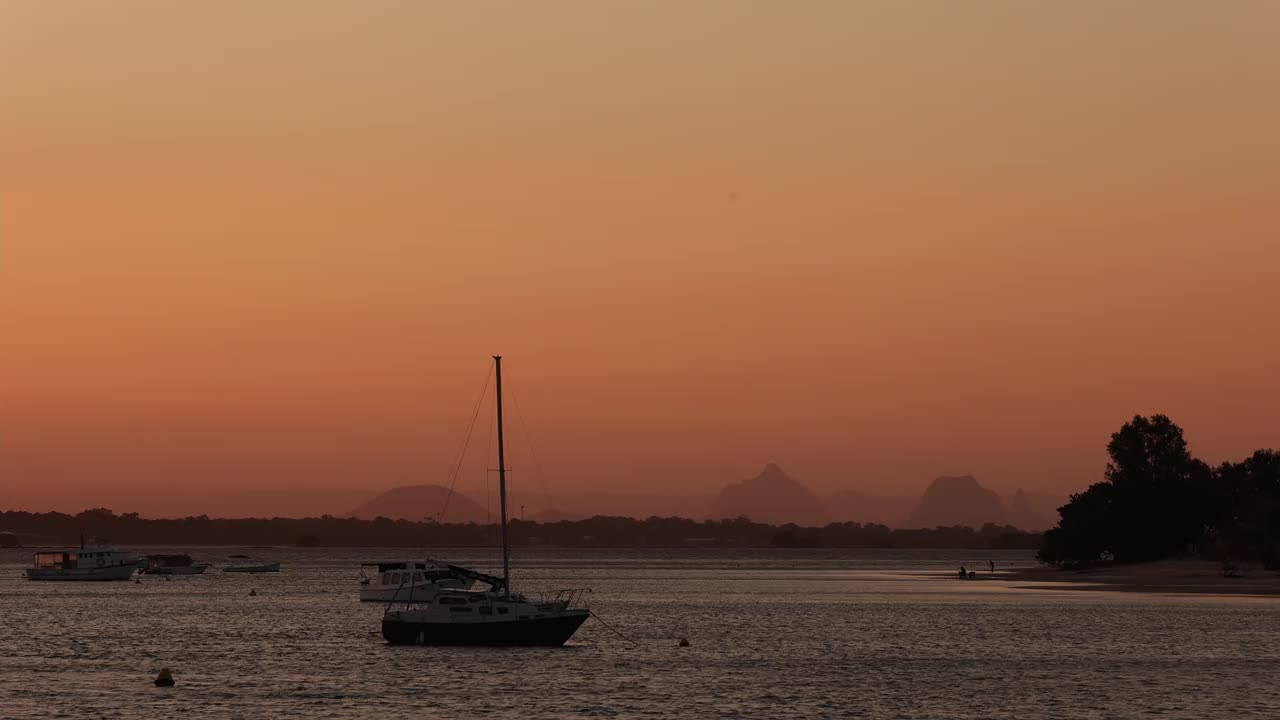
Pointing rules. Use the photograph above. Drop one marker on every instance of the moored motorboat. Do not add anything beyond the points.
(172, 565)
(86, 564)
(413, 581)
(496, 616)
(262, 568)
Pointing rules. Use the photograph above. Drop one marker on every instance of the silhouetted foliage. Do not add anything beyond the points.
(599, 531)
(1246, 507)
(789, 537)
(1157, 501)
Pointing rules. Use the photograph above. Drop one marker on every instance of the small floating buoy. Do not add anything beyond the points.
(253, 593)
(165, 678)
(684, 642)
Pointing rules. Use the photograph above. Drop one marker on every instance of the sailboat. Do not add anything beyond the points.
(495, 616)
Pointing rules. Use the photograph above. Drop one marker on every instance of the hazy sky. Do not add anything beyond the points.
(256, 244)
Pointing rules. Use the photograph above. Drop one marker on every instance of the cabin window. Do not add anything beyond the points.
(453, 601)
(386, 578)
(417, 577)
(477, 599)
(502, 611)
(485, 610)
(459, 609)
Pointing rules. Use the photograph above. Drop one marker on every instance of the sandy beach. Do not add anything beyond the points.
(1165, 576)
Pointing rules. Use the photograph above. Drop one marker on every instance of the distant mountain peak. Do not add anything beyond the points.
(772, 474)
(955, 481)
(1024, 514)
(957, 500)
(772, 497)
(420, 502)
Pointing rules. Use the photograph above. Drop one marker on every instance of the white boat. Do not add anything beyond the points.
(496, 616)
(414, 581)
(172, 565)
(263, 568)
(85, 564)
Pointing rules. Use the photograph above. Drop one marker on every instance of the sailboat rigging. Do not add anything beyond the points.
(496, 616)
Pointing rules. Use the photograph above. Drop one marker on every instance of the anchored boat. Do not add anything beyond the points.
(172, 565)
(86, 564)
(414, 581)
(252, 568)
(495, 616)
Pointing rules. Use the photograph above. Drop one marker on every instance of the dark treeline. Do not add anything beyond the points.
(1157, 501)
(600, 531)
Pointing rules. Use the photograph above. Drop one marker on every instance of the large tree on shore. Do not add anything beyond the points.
(1246, 508)
(1151, 503)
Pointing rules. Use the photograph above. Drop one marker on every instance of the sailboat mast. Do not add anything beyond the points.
(502, 481)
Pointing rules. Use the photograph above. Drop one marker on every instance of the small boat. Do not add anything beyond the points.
(172, 565)
(414, 581)
(86, 564)
(264, 568)
(492, 617)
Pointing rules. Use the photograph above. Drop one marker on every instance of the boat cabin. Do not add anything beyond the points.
(81, 559)
(395, 574)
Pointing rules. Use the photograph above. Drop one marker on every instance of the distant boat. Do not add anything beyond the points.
(415, 581)
(263, 568)
(172, 565)
(86, 564)
(495, 616)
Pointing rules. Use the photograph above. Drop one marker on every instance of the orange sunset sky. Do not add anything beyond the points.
(273, 244)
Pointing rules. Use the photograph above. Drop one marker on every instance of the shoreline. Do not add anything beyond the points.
(1197, 577)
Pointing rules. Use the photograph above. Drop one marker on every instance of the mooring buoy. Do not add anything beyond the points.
(684, 642)
(253, 592)
(165, 678)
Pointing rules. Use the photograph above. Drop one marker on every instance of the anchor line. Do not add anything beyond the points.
(611, 628)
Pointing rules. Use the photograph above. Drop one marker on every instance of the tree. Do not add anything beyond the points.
(1246, 508)
(1154, 501)
(1086, 532)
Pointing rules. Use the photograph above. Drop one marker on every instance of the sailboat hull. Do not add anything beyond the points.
(526, 632)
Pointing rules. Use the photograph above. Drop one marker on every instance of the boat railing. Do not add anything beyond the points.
(568, 597)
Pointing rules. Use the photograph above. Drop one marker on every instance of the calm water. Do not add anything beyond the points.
(794, 634)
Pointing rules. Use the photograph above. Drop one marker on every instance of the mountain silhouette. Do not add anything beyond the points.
(957, 500)
(417, 502)
(770, 497)
(1024, 514)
